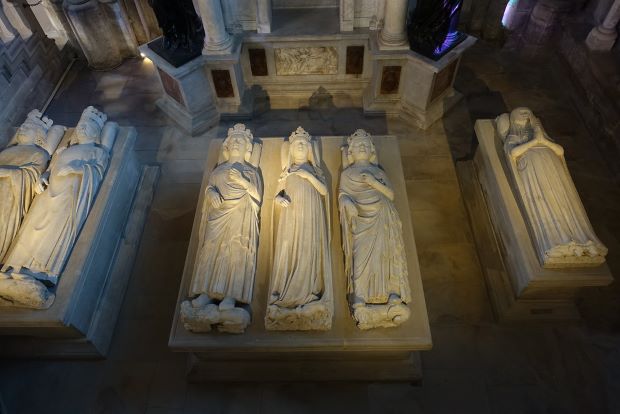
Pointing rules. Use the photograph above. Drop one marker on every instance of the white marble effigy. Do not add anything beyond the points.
(88, 281)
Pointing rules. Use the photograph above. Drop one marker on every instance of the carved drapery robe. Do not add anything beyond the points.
(227, 258)
(20, 168)
(57, 215)
(555, 213)
(302, 258)
(375, 263)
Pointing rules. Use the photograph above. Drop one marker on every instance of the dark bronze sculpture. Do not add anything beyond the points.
(432, 27)
(179, 23)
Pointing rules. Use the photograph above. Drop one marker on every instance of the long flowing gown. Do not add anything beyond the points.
(302, 259)
(555, 213)
(24, 165)
(57, 215)
(227, 259)
(375, 262)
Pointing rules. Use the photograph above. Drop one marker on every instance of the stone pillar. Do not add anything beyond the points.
(217, 39)
(17, 20)
(263, 16)
(603, 36)
(542, 25)
(51, 24)
(6, 35)
(102, 31)
(347, 15)
(393, 34)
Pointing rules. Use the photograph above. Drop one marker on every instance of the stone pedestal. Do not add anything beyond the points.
(412, 86)
(393, 35)
(89, 294)
(227, 82)
(342, 353)
(329, 70)
(217, 39)
(187, 98)
(603, 37)
(102, 31)
(520, 288)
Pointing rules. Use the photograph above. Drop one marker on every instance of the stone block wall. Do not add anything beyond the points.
(30, 66)
(595, 87)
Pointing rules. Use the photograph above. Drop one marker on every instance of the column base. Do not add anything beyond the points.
(601, 39)
(424, 118)
(224, 47)
(191, 123)
(388, 41)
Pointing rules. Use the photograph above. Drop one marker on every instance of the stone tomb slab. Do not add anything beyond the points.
(342, 353)
(89, 294)
(519, 286)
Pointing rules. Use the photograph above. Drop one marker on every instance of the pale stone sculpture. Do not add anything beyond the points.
(555, 217)
(49, 230)
(301, 278)
(306, 61)
(375, 263)
(223, 279)
(21, 165)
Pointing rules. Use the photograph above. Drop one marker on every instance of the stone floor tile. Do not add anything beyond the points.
(428, 168)
(456, 302)
(124, 388)
(431, 227)
(314, 397)
(442, 196)
(395, 398)
(450, 263)
(223, 398)
(168, 388)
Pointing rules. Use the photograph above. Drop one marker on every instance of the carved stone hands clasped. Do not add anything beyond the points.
(539, 139)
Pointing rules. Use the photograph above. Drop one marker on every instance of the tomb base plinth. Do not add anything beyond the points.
(305, 366)
(519, 286)
(343, 352)
(88, 297)
(412, 86)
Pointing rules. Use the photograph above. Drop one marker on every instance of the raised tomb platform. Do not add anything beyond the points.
(334, 348)
(535, 242)
(78, 317)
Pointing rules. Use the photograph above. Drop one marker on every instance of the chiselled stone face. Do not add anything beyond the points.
(361, 149)
(521, 117)
(87, 132)
(237, 145)
(299, 150)
(27, 134)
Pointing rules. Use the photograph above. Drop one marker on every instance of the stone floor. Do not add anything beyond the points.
(476, 365)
